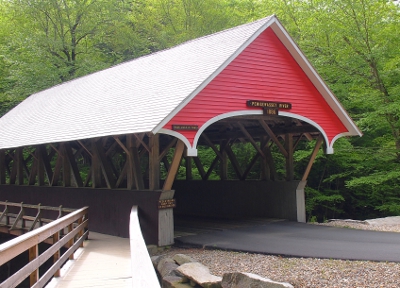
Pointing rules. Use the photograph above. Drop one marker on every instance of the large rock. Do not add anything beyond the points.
(167, 267)
(181, 259)
(200, 274)
(246, 280)
(175, 282)
(155, 260)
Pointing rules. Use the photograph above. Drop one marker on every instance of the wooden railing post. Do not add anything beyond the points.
(80, 234)
(30, 241)
(33, 254)
(71, 242)
(56, 256)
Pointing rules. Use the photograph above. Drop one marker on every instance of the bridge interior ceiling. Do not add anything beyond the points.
(239, 127)
(238, 148)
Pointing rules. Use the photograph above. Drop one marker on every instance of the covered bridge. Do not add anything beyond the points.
(117, 137)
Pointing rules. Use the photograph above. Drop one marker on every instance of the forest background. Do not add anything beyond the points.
(353, 44)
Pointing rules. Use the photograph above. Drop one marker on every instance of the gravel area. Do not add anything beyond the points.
(307, 272)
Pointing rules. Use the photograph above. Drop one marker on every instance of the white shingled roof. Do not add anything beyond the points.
(132, 97)
(136, 96)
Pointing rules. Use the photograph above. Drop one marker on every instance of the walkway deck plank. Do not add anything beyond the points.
(103, 262)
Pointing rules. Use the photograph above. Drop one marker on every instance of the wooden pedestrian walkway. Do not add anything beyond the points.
(105, 261)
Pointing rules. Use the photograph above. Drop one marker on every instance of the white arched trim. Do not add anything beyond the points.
(192, 152)
(223, 116)
(329, 149)
(339, 136)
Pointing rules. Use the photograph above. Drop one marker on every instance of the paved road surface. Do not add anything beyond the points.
(302, 240)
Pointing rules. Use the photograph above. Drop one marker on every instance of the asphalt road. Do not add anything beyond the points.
(302, 240)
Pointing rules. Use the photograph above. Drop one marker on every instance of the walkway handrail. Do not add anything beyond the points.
(31, 240)
(22, 216)
(143, 272)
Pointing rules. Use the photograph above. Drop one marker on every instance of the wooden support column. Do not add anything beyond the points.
(271, 163)
(40, 166)
(13, 174)
(176, 160)
(188, 165)
(289, 158)
(46, 163)
(73, 166)
(223, 161)
(96, 166)
(34, 170)
(154, 162)
(57, 169)
(104, 164)
(2, 167)
(166, 220)
(300, 195)
(66, 167)
(19, 158)
(134, 162)
(265, 173)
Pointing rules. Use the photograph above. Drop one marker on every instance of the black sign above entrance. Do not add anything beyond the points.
(185, 127)
(271, 105)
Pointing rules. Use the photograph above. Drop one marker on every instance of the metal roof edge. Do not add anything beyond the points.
(245, 44)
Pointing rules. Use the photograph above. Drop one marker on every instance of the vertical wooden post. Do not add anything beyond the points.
(66, 167)
(265, 169)
(40, 166)
(289, 157)
(134, 170)
(271, 163)
(130, 181)
(2, 166)
(33, 254)
(223, 161)
(73, 167)
(46, 163)
(154, 163)
(188, 165)
(166, 221)
(56, 256)
(20, 165)
(96, 167)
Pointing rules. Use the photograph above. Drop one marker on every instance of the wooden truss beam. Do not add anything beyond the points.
(312, 157)
(3, 167)
(72, 164)
(176, 160)
(251, 140)
(154, 163)
(134, 164)
(98, 152)
(199, 167)
(274, 138)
